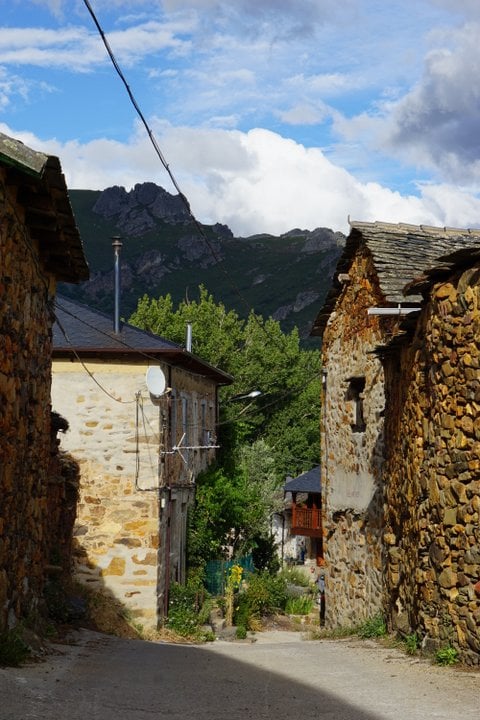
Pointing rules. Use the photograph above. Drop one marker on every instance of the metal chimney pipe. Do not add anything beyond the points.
(117, 246)
(188, 342)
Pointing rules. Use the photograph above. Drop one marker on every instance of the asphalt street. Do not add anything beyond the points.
(277, 677)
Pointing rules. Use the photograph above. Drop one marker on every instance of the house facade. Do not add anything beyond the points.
(39, 245)
(366, 466)
(302, 519)
(139, 452)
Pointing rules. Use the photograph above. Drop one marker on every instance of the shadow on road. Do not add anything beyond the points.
(118, 679)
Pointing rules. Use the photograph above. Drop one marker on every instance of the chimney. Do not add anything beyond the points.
(117, 246)
(188, 342)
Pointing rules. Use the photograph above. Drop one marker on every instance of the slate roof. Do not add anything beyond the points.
(48, 214)
(401, 253)
(89, 333)
(307, 482)
(445, 267)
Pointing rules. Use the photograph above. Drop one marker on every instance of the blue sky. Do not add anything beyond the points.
(272, 114)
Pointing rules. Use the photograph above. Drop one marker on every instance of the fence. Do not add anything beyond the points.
(217, 571)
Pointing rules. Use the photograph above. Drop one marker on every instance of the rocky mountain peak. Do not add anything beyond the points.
(136, 211)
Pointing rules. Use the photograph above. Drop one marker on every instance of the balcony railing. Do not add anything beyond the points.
(306, 521)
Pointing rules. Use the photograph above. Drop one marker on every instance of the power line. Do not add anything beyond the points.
(182, 196)
(89, 372)
(160, 155)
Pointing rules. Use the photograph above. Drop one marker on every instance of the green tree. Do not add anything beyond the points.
(234, 508)
(262, 441)
(216, 332)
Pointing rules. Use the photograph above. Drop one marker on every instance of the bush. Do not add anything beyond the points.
(184, 607)
(373, 627)
(13, 650)
(266, 593)
(241, 632)
(447, 655)
(242, 611)
(299, 605)
(411, 643)
(295, 576)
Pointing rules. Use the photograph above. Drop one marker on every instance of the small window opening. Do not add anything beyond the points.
(356, 386)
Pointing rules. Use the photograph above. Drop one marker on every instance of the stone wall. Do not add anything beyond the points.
(352, 452)
(25, 351)
(135, 490)
(433, 495)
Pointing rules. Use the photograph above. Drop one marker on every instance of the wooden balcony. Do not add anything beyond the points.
(306, 521)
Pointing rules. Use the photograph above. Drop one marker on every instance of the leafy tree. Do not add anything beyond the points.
(261, 441)
(217, 333)
(233, 509)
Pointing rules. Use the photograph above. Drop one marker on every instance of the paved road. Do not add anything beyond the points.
(279, 677)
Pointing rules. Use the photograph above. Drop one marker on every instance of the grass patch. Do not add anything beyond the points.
(295, 576)
(411, 643)
(336, 633)
(447, 655)
(299, 605)
(373, 627)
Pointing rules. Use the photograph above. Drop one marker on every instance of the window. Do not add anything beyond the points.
(203, 424)
(195, 422)
(356, 387)
(185, 428)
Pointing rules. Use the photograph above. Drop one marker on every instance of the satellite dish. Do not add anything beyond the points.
(156, 382)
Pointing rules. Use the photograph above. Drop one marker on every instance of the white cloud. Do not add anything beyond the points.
(435, 125)
(325, 84)
(304, 114)
(79, 48)
(254, 182)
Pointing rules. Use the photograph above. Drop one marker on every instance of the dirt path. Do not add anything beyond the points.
(278, 677)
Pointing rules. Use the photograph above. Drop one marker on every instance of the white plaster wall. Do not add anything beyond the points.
(352, 460)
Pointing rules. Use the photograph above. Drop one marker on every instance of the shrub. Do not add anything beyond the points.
(184, 608)
(299, 605)
(241, 632)
(13, 649)
(242, 611)
(266, 593)
(295, 576)
(411, 643)
(447, 655)
(373, 627)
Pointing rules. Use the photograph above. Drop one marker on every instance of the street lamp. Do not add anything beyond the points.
(249, 396)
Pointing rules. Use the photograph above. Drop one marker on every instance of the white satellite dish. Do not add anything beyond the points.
(156, 382)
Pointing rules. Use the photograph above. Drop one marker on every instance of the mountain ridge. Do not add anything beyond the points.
(285, 276)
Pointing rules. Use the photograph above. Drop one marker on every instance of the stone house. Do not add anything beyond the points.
(140, 448)
(432, 461)
(365, 312)
(39, 245)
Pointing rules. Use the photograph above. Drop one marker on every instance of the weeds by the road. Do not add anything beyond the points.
(447, 655)
(13, 649)
(373, 627)
(412, 643)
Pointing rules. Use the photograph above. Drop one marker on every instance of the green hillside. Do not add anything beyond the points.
(285, 277)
